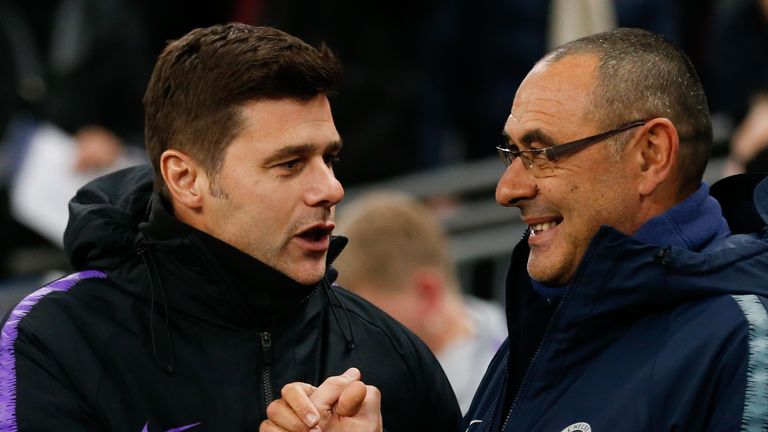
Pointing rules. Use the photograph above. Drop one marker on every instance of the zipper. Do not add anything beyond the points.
(550, 325)
(266, 370)
(531, 363)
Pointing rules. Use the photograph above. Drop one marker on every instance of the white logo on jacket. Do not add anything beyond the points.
(473, 422)
(578, 427)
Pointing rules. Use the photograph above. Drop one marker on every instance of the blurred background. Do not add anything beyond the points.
(427, 88)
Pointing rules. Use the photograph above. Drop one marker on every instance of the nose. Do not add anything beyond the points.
(515, 185)
(323, 188)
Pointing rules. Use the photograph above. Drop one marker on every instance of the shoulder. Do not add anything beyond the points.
(721, 319)
(715, 338)
(374, 322)
(715, 358)
(57, 311)
(56, 289)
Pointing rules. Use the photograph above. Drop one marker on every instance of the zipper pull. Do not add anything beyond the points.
(266, 346)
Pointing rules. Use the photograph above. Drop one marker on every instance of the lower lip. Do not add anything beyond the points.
(320, 245)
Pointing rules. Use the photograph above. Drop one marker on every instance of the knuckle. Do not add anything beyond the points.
(374, 391)
(287, 389)
(273, 408)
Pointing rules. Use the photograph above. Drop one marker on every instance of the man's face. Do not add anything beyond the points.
(567, 202)
(275, 194)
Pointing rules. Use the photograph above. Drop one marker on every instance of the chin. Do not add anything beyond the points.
(546, 275)
(308, 276)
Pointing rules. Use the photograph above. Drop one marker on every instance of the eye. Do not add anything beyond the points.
(290, 165)
(331, 159)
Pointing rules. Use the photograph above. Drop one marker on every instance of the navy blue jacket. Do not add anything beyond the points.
(646, 338)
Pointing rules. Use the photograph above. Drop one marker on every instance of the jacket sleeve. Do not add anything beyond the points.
(715, 379)
(727, 410)
(741, 387)
(35, 392)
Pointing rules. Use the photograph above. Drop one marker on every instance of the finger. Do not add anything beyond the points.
(269, 426)
(330, 390)
(373, 398)
(351, 399)
(297, 397)
(372, 406)
(281, 414)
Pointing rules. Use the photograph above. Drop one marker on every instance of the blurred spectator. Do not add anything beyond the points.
(80, 65)
(749, 145)
(738, 62)
(398, 258)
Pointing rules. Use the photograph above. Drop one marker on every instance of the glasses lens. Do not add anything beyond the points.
(527, 159)
(505, 155)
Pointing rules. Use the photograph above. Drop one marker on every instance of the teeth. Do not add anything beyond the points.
(543, 226)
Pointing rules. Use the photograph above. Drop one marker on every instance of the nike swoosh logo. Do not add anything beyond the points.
(178, 429)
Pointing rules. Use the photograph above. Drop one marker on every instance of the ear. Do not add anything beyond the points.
(183, 178)
(657, 153)
(430, 289)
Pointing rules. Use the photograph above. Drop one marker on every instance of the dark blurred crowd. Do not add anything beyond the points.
(426, 83)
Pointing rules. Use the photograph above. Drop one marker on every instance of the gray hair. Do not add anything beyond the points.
(641, 75)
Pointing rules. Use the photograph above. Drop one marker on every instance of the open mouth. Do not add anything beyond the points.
(542, 227)
(316, 234)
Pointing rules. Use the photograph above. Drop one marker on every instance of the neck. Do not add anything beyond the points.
(452, 325)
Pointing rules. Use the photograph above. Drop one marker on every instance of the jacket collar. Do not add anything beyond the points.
(245, 291)
(693, 224)
(621, 275)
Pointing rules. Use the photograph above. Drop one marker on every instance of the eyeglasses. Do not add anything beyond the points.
(509, 152)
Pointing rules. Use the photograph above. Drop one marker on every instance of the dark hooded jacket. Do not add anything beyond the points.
(165, 328)
(646, 338)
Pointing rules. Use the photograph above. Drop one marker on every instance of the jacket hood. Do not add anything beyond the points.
(104, 218)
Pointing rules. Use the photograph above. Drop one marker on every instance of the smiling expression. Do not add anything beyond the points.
(565, 203)
(275, 193)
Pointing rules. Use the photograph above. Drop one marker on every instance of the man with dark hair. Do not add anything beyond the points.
(194, 305)
(632, 304)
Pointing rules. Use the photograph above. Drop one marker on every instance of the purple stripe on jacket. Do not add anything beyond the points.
(10, 332)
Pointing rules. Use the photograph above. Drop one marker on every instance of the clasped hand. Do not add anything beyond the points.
(340, 404)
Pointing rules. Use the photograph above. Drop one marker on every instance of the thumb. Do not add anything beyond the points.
(329, 392)
(351, 399)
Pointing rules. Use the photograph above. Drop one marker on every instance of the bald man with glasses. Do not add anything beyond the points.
(636, 299)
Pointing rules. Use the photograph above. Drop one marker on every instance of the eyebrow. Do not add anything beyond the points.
(537, 136)
(532, 136)
(302, 149)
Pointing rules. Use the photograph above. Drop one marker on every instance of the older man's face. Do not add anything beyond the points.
(565, 202)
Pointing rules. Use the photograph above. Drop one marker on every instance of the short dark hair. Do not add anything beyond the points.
(200, 82)
(640, 76)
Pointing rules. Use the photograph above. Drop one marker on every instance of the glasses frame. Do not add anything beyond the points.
(508, 155)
